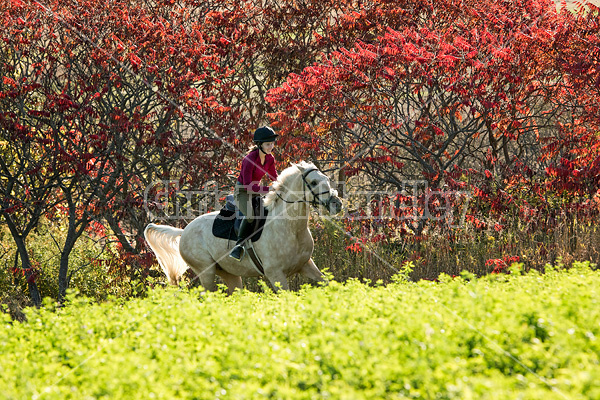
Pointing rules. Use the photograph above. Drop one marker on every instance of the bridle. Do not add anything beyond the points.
(316, 196)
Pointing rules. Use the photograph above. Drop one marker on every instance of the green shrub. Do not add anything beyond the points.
(92, 265)
(498, 337)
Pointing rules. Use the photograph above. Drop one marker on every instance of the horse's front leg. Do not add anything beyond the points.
(311, 271)
(232, 281)
(278, 279)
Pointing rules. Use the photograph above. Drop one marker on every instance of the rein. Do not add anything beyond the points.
(316, 199)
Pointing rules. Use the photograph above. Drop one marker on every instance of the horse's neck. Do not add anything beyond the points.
(291, 207)
(292, 213)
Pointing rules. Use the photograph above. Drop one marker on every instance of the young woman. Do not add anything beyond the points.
(257, 163)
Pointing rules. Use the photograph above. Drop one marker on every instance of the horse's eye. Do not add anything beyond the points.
(313, 183)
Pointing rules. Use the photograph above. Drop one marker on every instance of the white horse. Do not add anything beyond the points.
(285, 247)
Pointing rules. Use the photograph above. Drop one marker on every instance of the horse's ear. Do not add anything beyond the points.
(310, 164)
(304, 165)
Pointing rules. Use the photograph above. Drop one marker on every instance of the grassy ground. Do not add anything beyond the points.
(498, 337)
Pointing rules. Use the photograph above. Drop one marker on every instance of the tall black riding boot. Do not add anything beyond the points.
(243, 232)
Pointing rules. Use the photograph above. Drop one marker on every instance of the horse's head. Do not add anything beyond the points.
(318, 189)
(304, 183)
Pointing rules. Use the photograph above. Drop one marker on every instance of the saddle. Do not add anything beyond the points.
(226, 224)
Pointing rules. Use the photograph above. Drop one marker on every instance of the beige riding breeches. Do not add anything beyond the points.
(243, 200)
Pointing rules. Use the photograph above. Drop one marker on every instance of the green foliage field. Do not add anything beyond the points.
(499, 337)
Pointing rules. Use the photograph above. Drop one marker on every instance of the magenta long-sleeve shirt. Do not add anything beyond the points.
(253, 171)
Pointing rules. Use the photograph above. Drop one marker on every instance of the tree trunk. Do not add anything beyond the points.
(63, 271)
(34, 292)
(341, 182)
(505, 150)
(492, 140)
(74, 231)
(114, 226)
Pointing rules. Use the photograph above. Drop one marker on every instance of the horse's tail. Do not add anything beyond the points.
(164, 242)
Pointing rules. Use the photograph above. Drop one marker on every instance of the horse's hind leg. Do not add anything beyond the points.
(278, 279)
(206, 277)
(204, 268)
(311, 271)
(232, 281)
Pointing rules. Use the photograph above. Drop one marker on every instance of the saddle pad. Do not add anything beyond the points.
(223, 225)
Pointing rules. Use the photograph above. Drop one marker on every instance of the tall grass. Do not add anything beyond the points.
(370, 259)
(464, 249)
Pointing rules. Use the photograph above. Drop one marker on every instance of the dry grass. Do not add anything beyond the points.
(467, 250)
(14, 303)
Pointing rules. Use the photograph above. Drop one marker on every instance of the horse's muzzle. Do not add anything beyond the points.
(334, 205)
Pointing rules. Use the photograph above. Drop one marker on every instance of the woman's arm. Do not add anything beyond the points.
(247, 177)
(271, 171)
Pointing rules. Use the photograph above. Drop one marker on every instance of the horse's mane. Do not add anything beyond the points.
(282, 183)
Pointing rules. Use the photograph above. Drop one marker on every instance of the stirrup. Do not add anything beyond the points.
(238, 252)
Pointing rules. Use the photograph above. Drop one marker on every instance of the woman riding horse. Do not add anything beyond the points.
(257, 163)
(285, 247)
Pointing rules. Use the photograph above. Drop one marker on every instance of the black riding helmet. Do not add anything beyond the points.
(265, 134)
